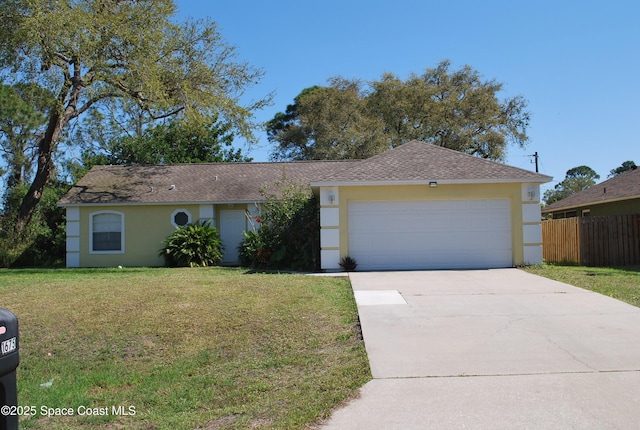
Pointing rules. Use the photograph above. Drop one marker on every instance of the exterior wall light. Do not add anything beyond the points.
(433, 184)
(332, 197)
(531, 193)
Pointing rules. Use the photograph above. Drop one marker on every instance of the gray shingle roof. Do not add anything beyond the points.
(421, 162)
(189, 183)
(241, 182)
(624, 186)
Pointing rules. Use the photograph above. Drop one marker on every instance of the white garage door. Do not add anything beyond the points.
(430, 234)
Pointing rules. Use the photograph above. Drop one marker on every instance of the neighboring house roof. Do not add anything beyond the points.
(624, 186)
(413, 162)
(419, 162)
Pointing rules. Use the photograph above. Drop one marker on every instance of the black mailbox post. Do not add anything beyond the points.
(9, 361)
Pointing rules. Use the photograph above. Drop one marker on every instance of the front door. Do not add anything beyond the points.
(232, 224)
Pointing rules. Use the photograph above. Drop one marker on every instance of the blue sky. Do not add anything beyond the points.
(576, 62)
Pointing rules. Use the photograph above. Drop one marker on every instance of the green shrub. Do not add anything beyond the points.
(42, 243)
(286, 234)
(262, 249)
(193, 245)
(348, 264)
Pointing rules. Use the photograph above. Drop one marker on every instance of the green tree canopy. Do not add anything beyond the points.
(453, 109)
(627, 165)
(327, 123)
(23, 110)
(577, 179)
(89, 51)
(177, 142)
(171, 143)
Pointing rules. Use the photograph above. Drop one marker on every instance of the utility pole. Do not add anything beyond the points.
(535, 157)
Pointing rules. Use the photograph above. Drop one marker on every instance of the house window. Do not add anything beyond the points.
(180, 218)
(107, 233)
(561, 215)
(586, 212)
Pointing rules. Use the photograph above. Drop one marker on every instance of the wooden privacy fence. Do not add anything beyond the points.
(561, 241)
(592, 241)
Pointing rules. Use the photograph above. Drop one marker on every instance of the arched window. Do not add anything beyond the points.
(107, 232)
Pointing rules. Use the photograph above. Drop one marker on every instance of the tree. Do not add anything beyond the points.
(627, 165)
(175, 142)
(453, 109)
(22, 121)
(577, 179)
(327, 123)
(113, 120)
(42, 242)
(91, 51)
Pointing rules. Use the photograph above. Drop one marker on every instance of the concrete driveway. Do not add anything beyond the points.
(493, 349)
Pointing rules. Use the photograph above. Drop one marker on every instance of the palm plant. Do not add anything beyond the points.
(193, 245)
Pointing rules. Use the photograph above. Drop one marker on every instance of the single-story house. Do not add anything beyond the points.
(417, 206)
(619, 195)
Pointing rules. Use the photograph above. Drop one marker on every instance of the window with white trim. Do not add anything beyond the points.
(180, 217)
(107, 232)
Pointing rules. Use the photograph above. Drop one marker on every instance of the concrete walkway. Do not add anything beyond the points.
(493, 349)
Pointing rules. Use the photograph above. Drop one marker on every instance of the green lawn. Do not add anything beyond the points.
(620, 283)
(200, 348)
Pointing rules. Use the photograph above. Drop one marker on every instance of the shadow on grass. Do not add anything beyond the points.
(130, 270)
(271, 272)
(65, 270)
(595, 270)
(629, 268)
(610, 271)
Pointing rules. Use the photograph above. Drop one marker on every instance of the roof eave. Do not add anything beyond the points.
(580, 205)
(427, 181)
(176, 203)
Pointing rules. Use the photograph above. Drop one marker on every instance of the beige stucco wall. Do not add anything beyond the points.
(334, 217)
(145, 227)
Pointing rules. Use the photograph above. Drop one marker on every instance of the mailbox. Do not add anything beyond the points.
(9, 360)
